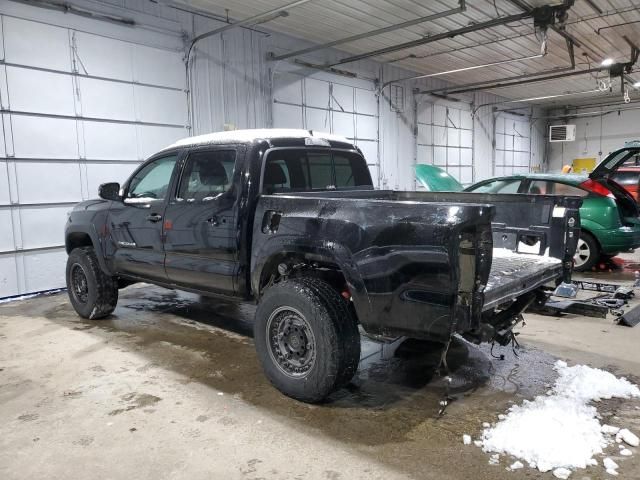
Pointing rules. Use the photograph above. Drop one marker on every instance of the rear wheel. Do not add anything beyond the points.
(587, 253)
(93, 293)
(306, 338)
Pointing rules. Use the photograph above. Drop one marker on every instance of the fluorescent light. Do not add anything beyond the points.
(607, 62)
(636, 85)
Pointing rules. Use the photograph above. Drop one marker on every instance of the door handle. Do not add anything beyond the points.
(213, 221)
(154, 217)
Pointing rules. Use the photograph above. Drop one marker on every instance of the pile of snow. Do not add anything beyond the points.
(561, 431)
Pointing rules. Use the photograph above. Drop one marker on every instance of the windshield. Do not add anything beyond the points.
(300, 169)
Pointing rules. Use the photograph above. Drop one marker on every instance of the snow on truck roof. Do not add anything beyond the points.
(255, 134)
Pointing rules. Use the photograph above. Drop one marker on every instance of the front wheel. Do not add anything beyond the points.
(587, 253)
(93, 293)
(306, 338)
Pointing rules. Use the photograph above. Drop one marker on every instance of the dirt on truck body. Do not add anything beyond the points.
(289, 219)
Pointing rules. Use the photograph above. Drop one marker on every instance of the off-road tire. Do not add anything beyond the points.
(101, 294)
(334, 330)
(594, 252)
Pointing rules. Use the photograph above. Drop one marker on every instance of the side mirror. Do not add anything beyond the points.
(109, 191)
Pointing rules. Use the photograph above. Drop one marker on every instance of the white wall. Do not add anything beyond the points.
(595, 136)
(65, 132)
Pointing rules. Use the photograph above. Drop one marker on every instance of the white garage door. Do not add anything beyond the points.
(513, 148)
(78, 109)
(445, 139)
(329, 105)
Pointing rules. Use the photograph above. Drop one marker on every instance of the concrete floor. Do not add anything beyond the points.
(169, 387)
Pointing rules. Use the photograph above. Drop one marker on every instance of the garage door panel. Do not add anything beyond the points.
(158, 67)
(105, 99)
(425, 154)
(287, 116)
(154, 139)
(44, 270)
(366, 102)
(453, 156)
(466, 120)
(98, 173)
(157, 105)
(287, 88)
(425, 134)
(439, 135)
(6, 232)
(43, 226)
(5, 198)
(343, 124)
(466, 175)
(453, 137)
(369, 151)
(425, 113)
(317, 119)
(521, 144)
(374, 171)
(40, 92)
(439, 115)
(466, 138)
(342, 98)
(316, 93)
(466, 156)
(453, 118)
(366, 127)
(105, 57)
(36, 44)
(110, 141)
(440, 155)
(62, 185)
(8, 276)
(39, 137)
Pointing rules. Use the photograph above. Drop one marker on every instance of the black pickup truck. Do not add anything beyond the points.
(289, 219)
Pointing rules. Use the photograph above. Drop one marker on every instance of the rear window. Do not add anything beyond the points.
(626, 178)
(291, 170)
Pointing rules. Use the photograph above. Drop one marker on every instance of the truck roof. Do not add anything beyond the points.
(252, 135)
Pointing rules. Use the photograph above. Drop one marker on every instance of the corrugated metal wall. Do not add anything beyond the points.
(97, 98)
(596, 136)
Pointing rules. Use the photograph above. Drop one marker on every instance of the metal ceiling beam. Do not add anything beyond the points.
(372, 33)
(464, 69)
(434, 38)
(447, 90)
(467, 89)
(259, 18)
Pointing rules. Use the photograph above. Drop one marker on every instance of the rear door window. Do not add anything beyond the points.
(546, 187)
(499, 186)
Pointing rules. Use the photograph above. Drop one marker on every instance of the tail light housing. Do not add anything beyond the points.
(597, 188)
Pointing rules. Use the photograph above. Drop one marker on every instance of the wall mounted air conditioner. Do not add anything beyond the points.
(562, 133)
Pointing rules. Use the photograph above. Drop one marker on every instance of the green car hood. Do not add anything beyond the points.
(435, 179)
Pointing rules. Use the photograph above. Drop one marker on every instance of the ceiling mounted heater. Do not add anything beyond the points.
(562, 133)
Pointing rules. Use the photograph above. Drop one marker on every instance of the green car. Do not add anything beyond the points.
(608, 216)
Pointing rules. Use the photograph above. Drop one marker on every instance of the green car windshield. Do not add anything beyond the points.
(435, 179)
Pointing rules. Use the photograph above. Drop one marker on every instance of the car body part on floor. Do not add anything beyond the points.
(630, 318)
(289, 219)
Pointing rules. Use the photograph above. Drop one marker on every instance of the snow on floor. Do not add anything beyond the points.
(560, 431)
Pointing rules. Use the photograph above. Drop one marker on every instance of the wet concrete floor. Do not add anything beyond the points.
(170, 387)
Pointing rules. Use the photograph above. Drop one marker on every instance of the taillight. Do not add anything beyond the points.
(597, 187)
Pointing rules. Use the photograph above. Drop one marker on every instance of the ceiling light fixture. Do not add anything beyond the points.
(607, 62)
(636, 85)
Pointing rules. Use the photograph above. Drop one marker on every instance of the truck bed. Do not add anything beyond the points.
(513, 274)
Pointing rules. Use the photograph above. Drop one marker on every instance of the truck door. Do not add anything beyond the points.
(136, 222)
(200, 226)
